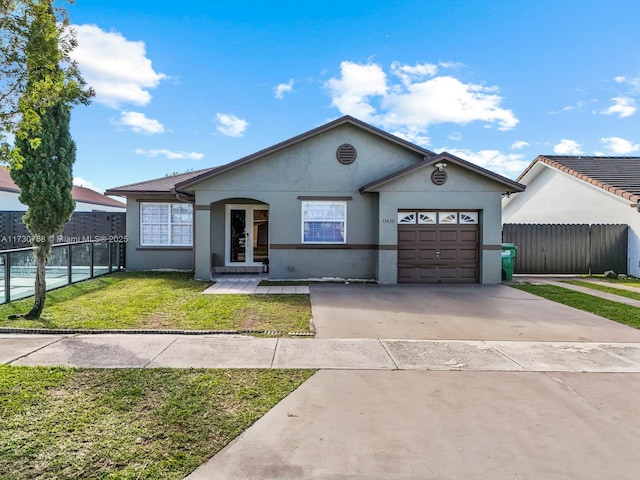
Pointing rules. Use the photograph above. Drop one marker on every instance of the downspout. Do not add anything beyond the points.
(188, 198)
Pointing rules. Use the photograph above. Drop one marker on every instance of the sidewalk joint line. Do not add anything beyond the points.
(160, 353)
(275, 349)
(500, 352)
(36, 350)
(388, 354)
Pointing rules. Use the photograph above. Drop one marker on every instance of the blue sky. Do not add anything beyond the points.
(191, 85)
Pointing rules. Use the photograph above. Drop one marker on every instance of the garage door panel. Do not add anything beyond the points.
(469, 254)
(448, 236)
(427, 235)
(407, 236)
(435, 253)
(466, 236)
(407, 274)
(406, 254)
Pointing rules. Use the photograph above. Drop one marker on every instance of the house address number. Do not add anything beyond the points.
(388, 220)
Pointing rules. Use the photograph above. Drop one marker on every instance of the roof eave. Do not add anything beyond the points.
(513, 185)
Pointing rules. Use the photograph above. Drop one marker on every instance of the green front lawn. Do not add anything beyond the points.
(127, 424)
(149, 300)
(618, 312)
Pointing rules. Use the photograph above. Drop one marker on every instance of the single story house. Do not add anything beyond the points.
(581, 190)
(345, 200)
(87, 200)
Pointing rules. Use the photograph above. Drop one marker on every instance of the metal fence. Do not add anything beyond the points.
(570, 249)
(69, 263)
(82, 226)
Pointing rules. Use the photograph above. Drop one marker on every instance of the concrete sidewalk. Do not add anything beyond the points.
(591, 291)
(226, 351)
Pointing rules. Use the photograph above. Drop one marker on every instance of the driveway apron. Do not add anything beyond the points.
(458, 312)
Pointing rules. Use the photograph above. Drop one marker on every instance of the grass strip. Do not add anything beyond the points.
(160, 300)
(603, 288)
(127, 424)
(618, 312)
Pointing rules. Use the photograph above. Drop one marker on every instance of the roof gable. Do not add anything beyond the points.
(617, 175)
(347, 119)
(511, 186)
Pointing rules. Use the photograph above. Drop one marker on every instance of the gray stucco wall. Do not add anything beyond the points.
(150, 258)
(306, 169)
(310, 169)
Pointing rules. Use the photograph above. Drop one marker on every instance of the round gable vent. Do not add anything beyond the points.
(439, 177)
(346, 154)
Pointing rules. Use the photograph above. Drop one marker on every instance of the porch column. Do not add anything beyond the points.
(202, 242)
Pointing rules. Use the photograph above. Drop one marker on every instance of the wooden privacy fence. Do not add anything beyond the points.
(82, 227)
(570, 249)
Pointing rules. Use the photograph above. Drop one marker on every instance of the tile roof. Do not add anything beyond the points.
(6, 182)
(617, 175)
(79, 194)
(86, 195)
(158, 185)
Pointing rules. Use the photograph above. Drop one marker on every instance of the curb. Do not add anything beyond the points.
(81, 331)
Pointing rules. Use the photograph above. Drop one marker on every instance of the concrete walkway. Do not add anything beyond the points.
(221, 351)
(591, 291)
(249, 285)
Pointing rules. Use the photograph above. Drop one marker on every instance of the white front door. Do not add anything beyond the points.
(247, 235)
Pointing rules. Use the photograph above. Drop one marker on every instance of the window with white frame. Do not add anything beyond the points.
(166, 224)
(324, 222)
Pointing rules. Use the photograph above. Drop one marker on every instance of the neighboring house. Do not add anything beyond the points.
(87, 200)
(345, 200)
(581, 190)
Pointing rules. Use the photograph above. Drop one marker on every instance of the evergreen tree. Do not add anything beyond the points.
(44, 152)
(45, 181)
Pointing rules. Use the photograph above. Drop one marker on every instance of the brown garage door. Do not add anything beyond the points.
(438, 246)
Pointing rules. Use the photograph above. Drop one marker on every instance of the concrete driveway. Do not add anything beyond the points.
(443, 425)
(484, 424)
(459, 312)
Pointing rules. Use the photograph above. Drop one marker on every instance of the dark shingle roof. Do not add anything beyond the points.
(161, 185)
(618, 175)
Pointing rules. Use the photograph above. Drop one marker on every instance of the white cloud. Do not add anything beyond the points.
(519, 144)
(81, 182)
(351, 92)
(567, 147)
(619, 146)
(169, 154)
(417, 100)
(230, 125)
(408, 74)
(507, 164)
(283, 88)
(138, 122)
(622, 106)
(455, 136)
(118, 69)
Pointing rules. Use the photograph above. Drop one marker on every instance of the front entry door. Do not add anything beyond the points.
(247, 235)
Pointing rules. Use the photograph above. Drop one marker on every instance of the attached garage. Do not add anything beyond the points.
(438, 246)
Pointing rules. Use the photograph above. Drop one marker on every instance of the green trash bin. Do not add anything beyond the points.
(508, 258)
